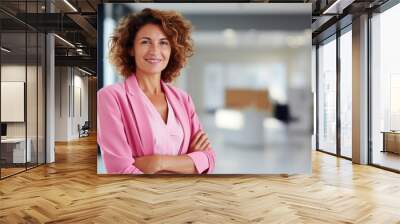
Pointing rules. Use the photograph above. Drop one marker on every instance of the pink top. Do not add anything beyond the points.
(126, 130)
(168, 137)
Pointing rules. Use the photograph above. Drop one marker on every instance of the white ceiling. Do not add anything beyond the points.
(229, 8)
(229, 38)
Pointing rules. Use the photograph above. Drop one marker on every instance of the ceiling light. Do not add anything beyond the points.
(229, 33)
(70, 5)
(230, 38)
(337, 7)
(329, 9)
(65, 41)
(5, 49)
(84, 71)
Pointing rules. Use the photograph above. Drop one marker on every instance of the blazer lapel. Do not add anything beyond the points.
(181, 115)
(140, 116)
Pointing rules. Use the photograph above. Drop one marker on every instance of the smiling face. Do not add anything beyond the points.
(151, 50)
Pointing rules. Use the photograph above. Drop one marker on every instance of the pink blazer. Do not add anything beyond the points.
(123, 131)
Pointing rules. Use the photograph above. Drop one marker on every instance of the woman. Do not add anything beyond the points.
(145, 124)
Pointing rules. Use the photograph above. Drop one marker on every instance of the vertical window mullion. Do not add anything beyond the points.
(317, 97)
(26, 86)
(338, 76)
(37, 89)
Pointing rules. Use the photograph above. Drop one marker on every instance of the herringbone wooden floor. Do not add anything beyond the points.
(70, 191)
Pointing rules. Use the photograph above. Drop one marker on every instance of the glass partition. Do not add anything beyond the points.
(346, 93)
(327, 96)
(22, 89)
(385, 89)
(14, 154)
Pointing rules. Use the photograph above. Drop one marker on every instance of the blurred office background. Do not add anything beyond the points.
(250, 79)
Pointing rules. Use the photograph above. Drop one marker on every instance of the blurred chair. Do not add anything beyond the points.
(282, 113)
(84, 130)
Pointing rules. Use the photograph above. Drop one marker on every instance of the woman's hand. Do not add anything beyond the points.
(149, 164)
(199, 142)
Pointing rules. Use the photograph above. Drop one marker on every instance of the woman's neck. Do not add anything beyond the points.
(149, 83)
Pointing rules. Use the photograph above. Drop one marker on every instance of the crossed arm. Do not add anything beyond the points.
(117, 154)
(182, 164)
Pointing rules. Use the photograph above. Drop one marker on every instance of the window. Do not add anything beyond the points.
(385, 89)
(327, 96)
(346, 93)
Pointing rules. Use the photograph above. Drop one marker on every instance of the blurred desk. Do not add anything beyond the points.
(245, 111)
(391, 141)
(13, 150)
(241, 127)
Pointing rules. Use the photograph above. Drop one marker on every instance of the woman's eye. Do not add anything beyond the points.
(164, 43)
(145, 42)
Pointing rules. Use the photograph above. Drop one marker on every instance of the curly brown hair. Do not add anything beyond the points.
(175, 27)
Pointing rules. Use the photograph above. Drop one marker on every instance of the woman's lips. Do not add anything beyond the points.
(153, 60)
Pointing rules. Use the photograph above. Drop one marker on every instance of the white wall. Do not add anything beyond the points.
(196, 80)
(61, 103)
(33, 127)
(79, 117)
(195, 70)
(15, 72)
(70, 83)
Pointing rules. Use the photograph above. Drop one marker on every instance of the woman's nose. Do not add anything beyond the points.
(154, 48)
